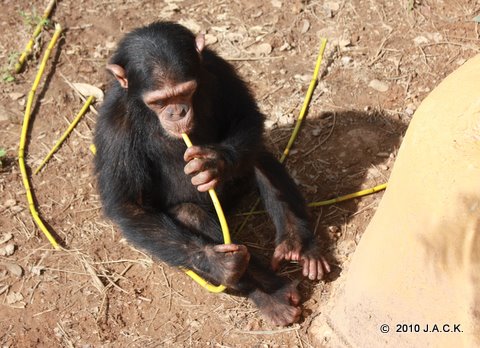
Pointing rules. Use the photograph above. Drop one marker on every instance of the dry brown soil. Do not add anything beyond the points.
(99, 291)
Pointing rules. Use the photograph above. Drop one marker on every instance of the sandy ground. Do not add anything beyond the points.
(382, 58)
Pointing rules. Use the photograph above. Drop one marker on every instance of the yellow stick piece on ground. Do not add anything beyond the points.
(37, 31)
(23, 140)
(349, 196)
(72, 125)
(225, 231)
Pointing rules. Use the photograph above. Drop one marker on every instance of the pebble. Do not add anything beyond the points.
(270, 124)
(305, 26)
(420, 40)
(262, 49)
(14, 269)
(14, 297)
(276, 3)
(330, 5)
(210, 39)
(346, 60)
(378, 85)
(16, 95)
(6, 237)
(7, 250)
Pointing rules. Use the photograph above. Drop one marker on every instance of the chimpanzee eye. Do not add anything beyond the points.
(159, 103)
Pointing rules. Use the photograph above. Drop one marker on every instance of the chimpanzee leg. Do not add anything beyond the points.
(275, 296)
(199, 221)
(286, 206)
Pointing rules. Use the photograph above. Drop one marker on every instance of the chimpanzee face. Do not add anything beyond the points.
(173, 106)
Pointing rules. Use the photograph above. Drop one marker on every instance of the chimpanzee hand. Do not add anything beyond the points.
(228, 262)
(314, 266)
(207, 166)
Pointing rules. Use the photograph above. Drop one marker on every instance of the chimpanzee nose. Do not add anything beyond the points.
(179, 110)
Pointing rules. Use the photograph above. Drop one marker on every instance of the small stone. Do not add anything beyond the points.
(37, 270)
(262, 49)
(378, 85)
(16, 95)
(14, 297)
(276, 3)
(346, 60)
(16, 209)
(344, 43)
(316, 132)
(420, 40)
(333, 6)
(6, 237)
(7, 250)
(270, 124)
(305, 26)
(410, 110)
(10, 203)
(210, 39)
(285, 47)
(14, 269)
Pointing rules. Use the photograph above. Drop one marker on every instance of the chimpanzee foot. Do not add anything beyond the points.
(281, 307)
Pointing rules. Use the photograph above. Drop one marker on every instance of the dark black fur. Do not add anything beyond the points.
(140, 169)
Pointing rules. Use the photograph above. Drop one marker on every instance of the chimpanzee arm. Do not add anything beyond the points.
(239, 121)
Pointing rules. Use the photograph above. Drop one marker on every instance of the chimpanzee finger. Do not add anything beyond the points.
(194, 166)
(209, 185)
(203, 178)
(227, 248)
(326, 265)
(295, 255)
(312, 271)
(198, 152)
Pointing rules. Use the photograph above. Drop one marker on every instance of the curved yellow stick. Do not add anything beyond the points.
(225, 231)
(306, 102)
(23, 140)
(37, 31)
(66, 133)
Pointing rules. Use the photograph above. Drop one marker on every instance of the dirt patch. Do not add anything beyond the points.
(102, 292)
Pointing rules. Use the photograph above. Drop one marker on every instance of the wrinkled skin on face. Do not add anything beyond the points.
(173, 106)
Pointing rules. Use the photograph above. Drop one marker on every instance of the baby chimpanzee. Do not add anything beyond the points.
(167, 83)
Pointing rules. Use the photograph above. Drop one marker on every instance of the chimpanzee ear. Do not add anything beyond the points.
(119, 74)
(200, 42)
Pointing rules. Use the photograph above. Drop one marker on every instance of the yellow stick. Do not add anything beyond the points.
(23, 140)
(306, 102)
(333, 200)
(37, 31)
(225, 231)
(66, 133)
(349, 196)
